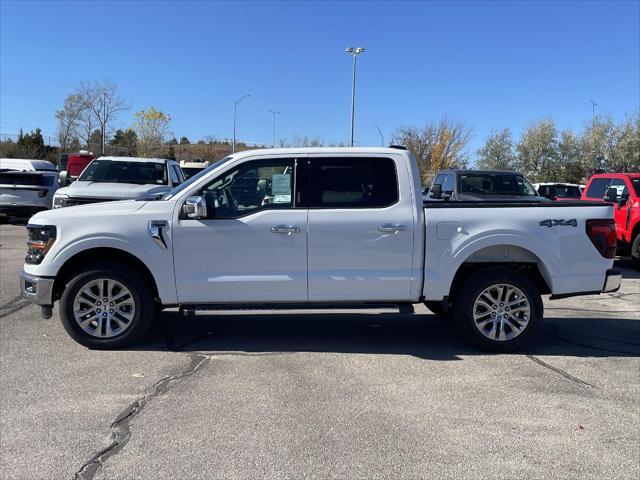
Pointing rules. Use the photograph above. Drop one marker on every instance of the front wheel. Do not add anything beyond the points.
(635, 251)
(498, 309)
(106, 306)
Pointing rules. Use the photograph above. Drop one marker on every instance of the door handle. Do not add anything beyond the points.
(391, 228)
(288, 229)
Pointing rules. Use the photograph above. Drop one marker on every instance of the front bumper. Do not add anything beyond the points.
(38, 290)
(612, 281)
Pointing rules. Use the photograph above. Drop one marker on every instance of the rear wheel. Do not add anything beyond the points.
(498, 309)
(106, 306)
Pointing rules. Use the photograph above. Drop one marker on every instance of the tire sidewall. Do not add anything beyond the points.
(142, 299)
(476, 284)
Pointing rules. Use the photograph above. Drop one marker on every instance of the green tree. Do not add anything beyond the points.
(625, 154)
(184, 141)
(31, 145)
(570, 168)
(597, 144)
(95, 141)
(152, 128)
(125, 142)
(538, 151)
(498, 152)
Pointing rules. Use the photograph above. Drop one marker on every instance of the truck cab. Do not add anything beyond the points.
(623, 191)
(481, 185)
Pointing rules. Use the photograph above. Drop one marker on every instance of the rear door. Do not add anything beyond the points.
(361, 228)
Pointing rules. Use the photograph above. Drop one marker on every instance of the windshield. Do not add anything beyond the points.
(495, 184)
(142, 173)
(195, 178)
(190, 171)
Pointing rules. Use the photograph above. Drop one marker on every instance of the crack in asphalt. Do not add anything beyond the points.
(13, 305)
(120, 428)
(566, 375)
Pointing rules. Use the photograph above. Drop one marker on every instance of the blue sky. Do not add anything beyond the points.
(491, 64)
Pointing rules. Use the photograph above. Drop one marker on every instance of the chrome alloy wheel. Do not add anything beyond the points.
(501, 312)
(104, 308)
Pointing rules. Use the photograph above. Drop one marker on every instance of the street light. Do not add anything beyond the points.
(274, 113)
(593, 112)
(354, 52)
(381, 136)
(235, 109)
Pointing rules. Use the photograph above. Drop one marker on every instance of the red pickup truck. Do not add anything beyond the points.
(623, 190)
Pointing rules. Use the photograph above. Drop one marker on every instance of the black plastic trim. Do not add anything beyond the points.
(523, 204)
(573, 294)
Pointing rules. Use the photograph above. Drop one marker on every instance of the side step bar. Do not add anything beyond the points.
(194, 309)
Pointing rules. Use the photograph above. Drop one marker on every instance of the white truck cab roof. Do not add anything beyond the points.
(26, 165)
(134, 159)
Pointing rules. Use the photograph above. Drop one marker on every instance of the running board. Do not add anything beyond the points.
(193, 309)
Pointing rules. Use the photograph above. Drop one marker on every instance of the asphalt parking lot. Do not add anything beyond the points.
(343, 395)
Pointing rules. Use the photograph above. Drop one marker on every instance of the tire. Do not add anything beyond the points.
(117, 327)
(635, 252)
(437, 308)
(481, 292)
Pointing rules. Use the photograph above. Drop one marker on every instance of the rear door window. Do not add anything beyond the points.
(352, 183)
(598, 188)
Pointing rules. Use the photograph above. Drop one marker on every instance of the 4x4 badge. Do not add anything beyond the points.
(559, 223)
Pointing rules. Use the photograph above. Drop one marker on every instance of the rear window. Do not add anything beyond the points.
(353, 183)
(30, 179)
(598, 187)
(636, 185)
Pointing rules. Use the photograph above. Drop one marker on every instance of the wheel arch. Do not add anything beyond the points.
(100, 254)
(506, 255)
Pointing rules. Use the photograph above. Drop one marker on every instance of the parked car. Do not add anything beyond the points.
(481, 185)
(623, 190)
(192, 168)
(26, 186)
(120, 178)
(71, 165)
(558, 191)
(357, 235)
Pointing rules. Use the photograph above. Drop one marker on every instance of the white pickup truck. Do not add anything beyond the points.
(107, 179)
(315, 227)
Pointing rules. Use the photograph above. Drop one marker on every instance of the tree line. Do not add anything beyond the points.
(543, 152)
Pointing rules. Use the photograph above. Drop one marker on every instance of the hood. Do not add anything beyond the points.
(471, 197)
(92, 210)
(111, 190)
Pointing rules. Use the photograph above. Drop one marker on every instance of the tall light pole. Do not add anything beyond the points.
(381, 136)
(274, 113)
(593, 112)
(235, 110)
(354, 52)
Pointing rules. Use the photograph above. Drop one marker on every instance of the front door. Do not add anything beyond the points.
(253, 248)
(361, 229)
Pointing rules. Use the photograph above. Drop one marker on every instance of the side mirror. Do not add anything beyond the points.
(435, 191)
(446, 196)
(63, 178)
(195, 208)
(611, 195)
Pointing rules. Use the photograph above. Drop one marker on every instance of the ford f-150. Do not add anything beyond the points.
(315, 227)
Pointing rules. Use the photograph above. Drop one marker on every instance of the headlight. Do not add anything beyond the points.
(41, 238)
(59, 201)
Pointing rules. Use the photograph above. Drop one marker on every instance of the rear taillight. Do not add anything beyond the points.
(602, 234)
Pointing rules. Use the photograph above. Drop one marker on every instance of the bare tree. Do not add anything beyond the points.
(436, 145)
(103, 103)
(68, 119)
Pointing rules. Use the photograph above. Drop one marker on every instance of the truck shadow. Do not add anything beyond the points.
(420, 335)
(624, 265)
